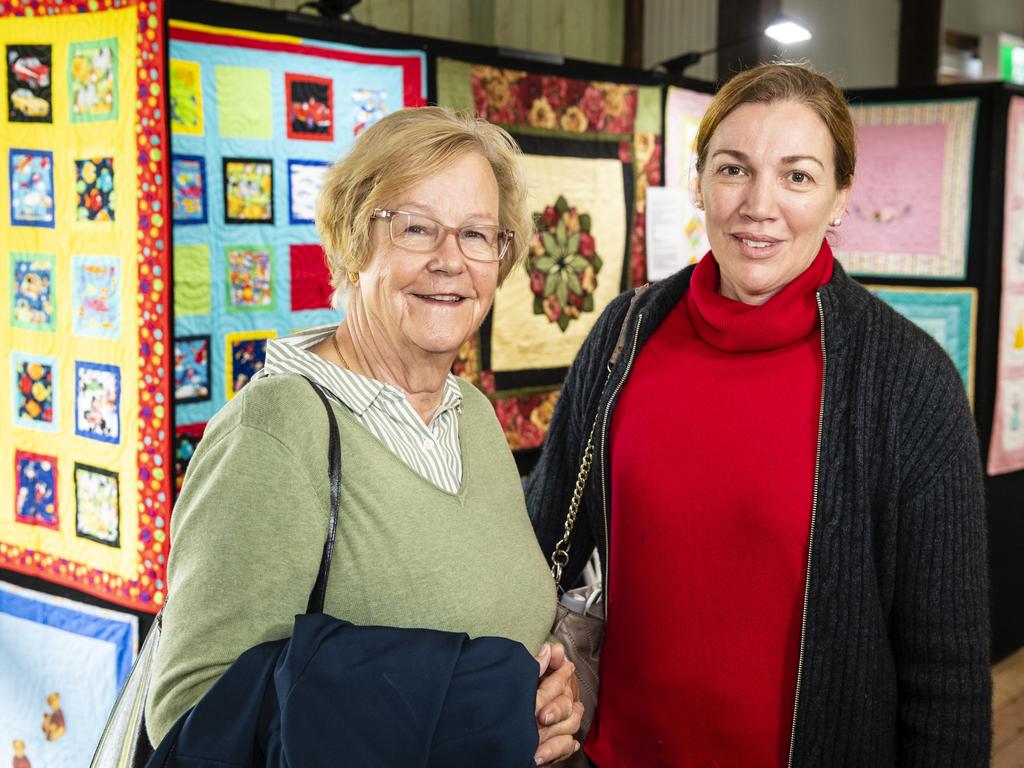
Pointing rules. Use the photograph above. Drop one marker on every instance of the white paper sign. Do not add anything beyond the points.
(666, 246)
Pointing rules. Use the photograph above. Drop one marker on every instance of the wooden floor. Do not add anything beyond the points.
(1008, 712)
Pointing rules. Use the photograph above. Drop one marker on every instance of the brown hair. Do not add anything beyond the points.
(786, 81)
(400, 151)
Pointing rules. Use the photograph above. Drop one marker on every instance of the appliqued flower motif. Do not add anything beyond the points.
(574, 120)
(542, 115)
(563, 264)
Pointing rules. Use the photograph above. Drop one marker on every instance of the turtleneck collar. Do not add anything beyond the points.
(732, 326)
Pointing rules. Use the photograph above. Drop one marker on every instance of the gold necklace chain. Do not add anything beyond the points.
(337, 350)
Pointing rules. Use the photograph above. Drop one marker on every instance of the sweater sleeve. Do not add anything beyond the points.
(941, 621)
(241, 564)
(550, 486)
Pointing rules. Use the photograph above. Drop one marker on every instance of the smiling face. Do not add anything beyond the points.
(769, 190)
(432, 302)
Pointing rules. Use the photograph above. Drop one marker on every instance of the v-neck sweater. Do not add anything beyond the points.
(711, 506)
(248, 530)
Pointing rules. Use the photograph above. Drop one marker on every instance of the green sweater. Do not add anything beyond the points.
(249, 527)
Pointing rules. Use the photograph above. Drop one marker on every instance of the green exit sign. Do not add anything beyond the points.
(1011, 63)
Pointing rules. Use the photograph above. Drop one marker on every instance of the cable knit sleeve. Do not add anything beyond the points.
(940, 617)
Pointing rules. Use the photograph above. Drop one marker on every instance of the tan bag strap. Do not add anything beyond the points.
(560, 555)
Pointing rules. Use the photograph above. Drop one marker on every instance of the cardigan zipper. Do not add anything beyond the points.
(810, 538)
(604, 452)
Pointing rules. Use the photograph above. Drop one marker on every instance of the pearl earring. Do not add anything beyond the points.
(836, 221)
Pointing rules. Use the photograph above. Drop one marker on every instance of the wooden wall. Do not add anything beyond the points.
(591, 30)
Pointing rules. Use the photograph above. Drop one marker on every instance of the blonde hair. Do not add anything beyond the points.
(399, 152)
(786, 81)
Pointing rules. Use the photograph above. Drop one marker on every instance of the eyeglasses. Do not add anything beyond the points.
(422, 234)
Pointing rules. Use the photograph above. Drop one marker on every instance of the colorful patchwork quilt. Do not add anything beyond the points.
(85, 440)
(256, 119)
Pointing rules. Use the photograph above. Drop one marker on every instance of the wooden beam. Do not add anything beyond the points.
(633, 43)
(920, 31)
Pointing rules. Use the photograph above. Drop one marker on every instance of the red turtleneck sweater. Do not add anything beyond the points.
(712, 475)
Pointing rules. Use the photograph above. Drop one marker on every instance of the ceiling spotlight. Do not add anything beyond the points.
(787, 32)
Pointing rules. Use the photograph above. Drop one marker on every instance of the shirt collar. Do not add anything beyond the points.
(290, 354)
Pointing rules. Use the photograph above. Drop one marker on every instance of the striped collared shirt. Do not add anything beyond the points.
(431, 451)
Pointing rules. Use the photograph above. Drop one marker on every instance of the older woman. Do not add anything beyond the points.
(421, 221)
(788, 496)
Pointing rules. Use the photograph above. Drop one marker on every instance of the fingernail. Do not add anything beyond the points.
(538, 760)
(549, 718)
(575, 746)
(544, 650)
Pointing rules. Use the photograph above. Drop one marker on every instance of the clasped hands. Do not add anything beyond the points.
(558, 709)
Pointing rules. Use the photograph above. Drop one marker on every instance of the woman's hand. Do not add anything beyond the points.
(558, 709)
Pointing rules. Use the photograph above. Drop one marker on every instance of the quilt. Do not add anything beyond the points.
(64, 663)
(908, 214)
(948, 315)
(256, 119)
(1006, 451)
(683, 112)
(85, 441)
(591, 149)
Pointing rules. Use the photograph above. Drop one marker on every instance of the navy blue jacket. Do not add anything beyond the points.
(335, 694)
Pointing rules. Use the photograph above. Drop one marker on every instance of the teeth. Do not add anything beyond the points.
(756, 243)
(445, 297)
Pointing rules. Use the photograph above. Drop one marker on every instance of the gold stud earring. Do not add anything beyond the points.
(353, 277)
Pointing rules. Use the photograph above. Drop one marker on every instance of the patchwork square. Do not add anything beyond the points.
(192, 279)
(31, 188)
(186, 440)
(95, 296)
(29, 82)
(92, 80)
(245, 354)
(33, 291)
(304, 180)
(94, 189)
(35, 489)
(244, 109)
(191, 369)
(188, 189)
(98, 401)
(368, 106)
(97, 505)
(249, 277)
(184, 80)
(310, 105)
(34, 388)
(248, 190)
(311, 279)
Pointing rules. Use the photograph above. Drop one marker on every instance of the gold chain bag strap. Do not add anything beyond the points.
(580, 614)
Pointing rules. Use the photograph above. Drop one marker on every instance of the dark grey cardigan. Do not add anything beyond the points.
(895, 670)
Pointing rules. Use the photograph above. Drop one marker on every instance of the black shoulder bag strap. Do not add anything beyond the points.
(316, 597)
